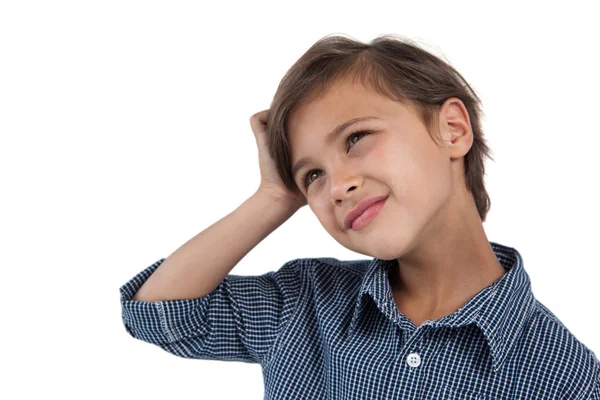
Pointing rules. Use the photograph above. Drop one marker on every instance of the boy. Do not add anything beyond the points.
(383, 142)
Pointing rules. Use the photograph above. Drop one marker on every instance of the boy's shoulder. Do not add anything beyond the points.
(547, 339)
(319, 266)
(343, 277)
(548, 321)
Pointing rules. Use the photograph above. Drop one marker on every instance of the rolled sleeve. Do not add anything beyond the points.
(238, 321)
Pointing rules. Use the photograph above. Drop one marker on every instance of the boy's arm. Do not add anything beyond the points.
(238, 321)
(194, 309)
(191, 307)
(199, 265)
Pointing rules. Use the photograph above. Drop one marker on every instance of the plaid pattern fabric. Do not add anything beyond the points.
(322, 328)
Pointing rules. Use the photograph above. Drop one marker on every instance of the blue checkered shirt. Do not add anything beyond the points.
(322, 328)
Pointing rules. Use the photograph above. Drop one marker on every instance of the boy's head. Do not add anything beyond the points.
(424, 149)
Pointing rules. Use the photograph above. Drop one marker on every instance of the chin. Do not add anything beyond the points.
(378, 250)
(385, 248)
(385, 254)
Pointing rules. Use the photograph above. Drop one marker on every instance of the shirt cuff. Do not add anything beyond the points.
(161, 322)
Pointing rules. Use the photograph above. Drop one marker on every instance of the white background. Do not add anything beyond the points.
(125, 131)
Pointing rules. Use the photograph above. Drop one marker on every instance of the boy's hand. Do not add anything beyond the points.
(271, 184)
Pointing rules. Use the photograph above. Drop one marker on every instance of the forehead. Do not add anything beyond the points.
(342, 101)
(309, 123)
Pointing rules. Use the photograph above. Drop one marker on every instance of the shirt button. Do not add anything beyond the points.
(413, 359)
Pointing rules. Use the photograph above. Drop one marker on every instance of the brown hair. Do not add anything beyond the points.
(394, 67)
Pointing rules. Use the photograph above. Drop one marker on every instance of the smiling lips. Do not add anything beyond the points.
(364, 212)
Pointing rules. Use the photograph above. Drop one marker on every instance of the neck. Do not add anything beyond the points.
(442, 273)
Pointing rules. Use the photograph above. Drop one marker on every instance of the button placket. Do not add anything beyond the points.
(413, 359)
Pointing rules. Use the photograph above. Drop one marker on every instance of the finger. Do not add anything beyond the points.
(263, 116)
(258, 121)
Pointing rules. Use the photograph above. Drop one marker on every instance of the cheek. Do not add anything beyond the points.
(394, 165)
(413, 173)
(429, 181)
(322, 212)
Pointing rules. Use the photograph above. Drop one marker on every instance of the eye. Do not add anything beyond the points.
(351, 139)
(357, 135)
(309, 174)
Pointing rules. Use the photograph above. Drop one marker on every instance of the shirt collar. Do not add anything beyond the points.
(500, 310)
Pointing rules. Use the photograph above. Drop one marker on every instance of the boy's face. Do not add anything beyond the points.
(397, 159)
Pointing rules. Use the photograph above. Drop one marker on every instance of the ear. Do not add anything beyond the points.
(455, 128)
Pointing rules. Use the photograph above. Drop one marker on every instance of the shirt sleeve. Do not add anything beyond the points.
(238, 321)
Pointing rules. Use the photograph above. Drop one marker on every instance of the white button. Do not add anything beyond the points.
(413, 359)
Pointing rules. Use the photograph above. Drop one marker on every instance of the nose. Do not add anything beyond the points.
(342, 185)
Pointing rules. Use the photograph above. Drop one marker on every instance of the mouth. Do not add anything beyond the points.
(364, 212)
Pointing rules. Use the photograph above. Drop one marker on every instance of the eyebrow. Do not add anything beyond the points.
(330, 138)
